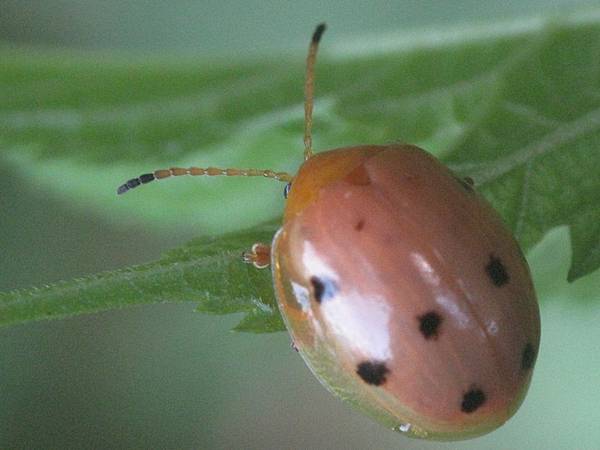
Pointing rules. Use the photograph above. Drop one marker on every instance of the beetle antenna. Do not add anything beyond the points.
(197, 171)
(267, 173)
(309, 89)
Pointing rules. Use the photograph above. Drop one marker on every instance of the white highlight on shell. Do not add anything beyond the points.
(450, 305)
(301, 294)
(362, 323)
(315, 265)
(444, 298)
(425, 269)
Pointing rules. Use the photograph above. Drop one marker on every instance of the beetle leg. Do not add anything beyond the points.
(259, 256)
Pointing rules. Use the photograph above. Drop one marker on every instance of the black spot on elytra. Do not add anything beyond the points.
(359, 225)
(429, 324)
(323, 288)
(496, 271)
(373, 372)
(472, 400)
(528, 357)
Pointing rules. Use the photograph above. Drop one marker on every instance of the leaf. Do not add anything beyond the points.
(535, 150)
(516, 106)
(207, 271)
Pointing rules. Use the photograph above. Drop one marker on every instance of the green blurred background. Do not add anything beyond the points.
(165, 377)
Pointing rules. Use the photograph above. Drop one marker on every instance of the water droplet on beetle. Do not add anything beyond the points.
(403, 428)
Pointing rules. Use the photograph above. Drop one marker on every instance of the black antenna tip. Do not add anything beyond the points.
(147, 178)
(318, 33)
(135, 182)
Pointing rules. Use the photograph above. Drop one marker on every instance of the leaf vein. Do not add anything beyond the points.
(492, 170)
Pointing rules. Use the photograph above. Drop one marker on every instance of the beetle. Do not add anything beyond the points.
(401, 287)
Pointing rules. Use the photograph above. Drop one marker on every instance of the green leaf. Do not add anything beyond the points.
(535, 147)
(516, 106)
(207, 271)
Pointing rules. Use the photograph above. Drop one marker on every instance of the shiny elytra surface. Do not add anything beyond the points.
(405, 293)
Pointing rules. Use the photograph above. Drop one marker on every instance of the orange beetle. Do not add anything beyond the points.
(401, 287)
